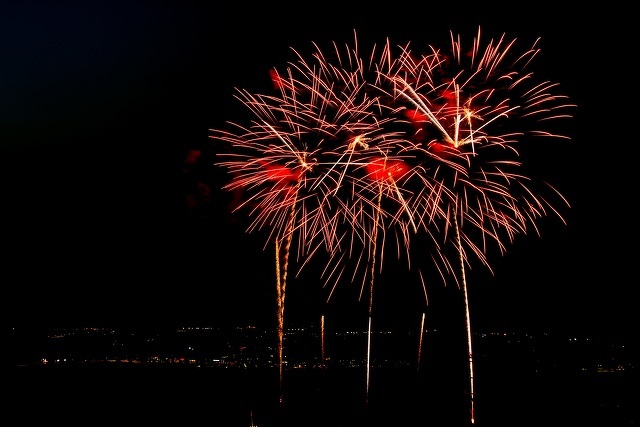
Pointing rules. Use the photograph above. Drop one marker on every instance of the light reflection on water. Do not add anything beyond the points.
(137, 395)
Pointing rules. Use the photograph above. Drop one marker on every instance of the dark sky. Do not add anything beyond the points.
(100, 103)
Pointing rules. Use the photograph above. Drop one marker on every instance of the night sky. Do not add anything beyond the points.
(101, 103)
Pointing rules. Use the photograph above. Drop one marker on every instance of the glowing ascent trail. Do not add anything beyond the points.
(280, 290)
(383, 172)
(281, 287)
(467, 315)
(438, 132)
(374, 239)
(322, 358)
(420, 342)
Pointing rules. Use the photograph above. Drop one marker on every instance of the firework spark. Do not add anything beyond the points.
(353, 156)
(294, 161)
(467, 114)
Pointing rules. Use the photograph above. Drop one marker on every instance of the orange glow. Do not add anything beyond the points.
(442, 149)
(193, 156)
(279, 173)
(448, 94)
(279, 82)
(382, 168)
(416, 116)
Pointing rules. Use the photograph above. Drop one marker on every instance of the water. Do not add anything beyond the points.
(519, 380)
(185, 395)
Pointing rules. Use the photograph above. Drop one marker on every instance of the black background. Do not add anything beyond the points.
(101, 102)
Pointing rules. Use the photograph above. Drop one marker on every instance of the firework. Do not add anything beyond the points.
(352, 156)
(296, 157)
(467, 111)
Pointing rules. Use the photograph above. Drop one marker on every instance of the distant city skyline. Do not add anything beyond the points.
(226, 372)
(248, 346)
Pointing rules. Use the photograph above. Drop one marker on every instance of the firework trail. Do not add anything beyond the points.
(294, 161)
(421, 335)
(451, 165)
(322, 345)
(468, 111)
(353, 156)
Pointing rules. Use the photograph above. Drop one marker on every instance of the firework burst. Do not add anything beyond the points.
(354, 155)
(294, 161)
(467, 111)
